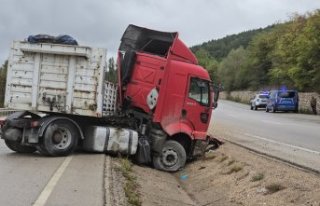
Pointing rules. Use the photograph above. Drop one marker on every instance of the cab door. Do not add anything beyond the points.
(197, 106)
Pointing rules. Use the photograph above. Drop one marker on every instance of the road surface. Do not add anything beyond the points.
(37, 180)
(292, 137)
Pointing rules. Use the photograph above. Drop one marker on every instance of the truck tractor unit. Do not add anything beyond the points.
(158, 112)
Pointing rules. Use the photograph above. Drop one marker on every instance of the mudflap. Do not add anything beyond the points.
(213, 143)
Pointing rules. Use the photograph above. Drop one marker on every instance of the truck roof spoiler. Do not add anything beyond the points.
(156, 42)
(147, 40)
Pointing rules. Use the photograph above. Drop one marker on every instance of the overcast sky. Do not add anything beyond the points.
(100, 23)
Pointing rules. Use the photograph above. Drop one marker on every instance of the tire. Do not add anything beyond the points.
(172, 158)
(42, 150)
(60, 139)
(17, 147)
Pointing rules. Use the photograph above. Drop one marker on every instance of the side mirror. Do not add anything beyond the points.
(214, 105)
(216, 91)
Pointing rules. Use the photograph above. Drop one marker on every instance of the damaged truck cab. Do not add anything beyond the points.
(160, 78)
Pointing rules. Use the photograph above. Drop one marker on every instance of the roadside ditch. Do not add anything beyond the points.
(231, 175)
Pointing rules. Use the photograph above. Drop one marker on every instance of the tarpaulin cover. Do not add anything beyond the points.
(44, 38)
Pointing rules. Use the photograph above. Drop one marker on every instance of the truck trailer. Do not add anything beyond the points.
(159, 110)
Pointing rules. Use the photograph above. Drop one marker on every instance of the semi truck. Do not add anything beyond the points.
(158, 111)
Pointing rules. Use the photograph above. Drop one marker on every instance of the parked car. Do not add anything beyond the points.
(259, 101)
(283, 100)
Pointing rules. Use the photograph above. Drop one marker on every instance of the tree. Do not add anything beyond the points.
(111, 74)
(3, 77)
(233, 70)
(308, 49)
(208, 63)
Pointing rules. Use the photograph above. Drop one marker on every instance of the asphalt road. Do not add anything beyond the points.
(37, 180)
(292, 137)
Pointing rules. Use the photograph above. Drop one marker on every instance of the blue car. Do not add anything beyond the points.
(283, 100)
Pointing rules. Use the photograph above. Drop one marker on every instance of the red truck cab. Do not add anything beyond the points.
(160, 78)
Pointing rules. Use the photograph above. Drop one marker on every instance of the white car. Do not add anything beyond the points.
(259, 101)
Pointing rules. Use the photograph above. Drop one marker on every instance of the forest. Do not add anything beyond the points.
(284, 54)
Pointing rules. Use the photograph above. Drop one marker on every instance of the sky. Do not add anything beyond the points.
(101, 23)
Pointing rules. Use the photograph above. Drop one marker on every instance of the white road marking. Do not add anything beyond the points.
(231, 115)
(43, 197)
(271, 122)
(107, 181)
(284, 144)
(282, 123)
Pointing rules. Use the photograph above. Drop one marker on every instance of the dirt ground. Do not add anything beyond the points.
(230, 175)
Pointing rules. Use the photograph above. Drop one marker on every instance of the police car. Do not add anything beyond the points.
(259, 101)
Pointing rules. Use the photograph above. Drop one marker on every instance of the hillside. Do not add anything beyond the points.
(220, 48)
(286, 54)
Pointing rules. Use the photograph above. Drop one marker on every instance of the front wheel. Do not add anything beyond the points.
(60, 139)
(173, 157)
(17, 147)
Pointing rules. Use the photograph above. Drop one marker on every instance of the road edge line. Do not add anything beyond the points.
(107, 177)
(46, 192)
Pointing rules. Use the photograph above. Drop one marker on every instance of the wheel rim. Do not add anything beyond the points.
(61, 138)
(169, 158)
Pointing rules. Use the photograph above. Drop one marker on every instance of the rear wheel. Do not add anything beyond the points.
(173, 157)
(60, 138)
(17, 147)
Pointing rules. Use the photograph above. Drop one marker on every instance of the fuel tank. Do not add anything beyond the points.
(110, 140)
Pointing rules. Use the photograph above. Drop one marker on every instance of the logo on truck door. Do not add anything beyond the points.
(191, 103)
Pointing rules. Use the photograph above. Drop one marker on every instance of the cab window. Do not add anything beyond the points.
(199, 91)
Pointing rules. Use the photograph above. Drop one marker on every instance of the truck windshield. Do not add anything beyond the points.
(199, 91)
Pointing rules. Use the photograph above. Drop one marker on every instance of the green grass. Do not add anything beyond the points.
(231, 162)
(131, 185)
(209, 156)
(223, 158)
(234, 169)
(257, 177)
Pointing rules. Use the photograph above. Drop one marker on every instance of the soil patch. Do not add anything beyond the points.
(233, 175)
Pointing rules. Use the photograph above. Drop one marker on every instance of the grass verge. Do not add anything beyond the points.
(131, 185)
